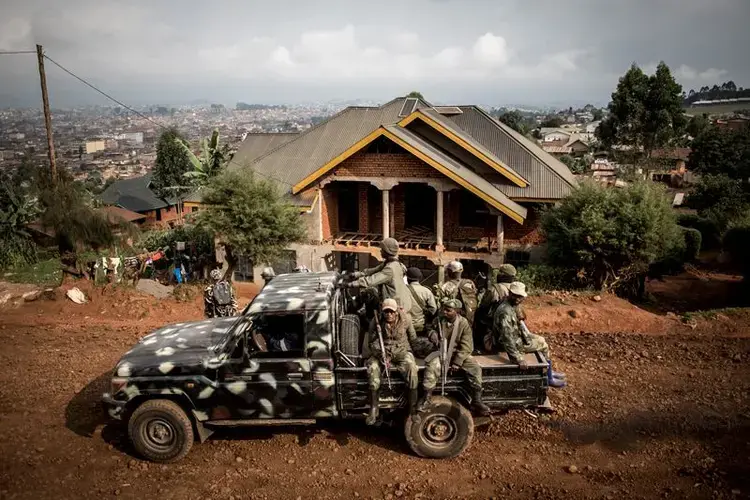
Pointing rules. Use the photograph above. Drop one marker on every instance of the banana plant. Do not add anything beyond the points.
(210, 162)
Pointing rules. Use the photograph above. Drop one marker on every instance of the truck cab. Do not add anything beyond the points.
(294, 356)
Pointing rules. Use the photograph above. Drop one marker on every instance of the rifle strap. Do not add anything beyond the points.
(417, 298)
(452, 344)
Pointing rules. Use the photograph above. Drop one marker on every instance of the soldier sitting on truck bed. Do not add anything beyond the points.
(387, 277)
(395, 329)
(459, 345)
(509, 334)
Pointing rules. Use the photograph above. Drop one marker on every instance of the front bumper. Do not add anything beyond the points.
(115, 409)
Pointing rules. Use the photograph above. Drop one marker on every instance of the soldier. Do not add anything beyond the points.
(459, 346)
(509, 334)
(424, 306)
(267, 274)
(457, 288)
(494, 295)
(397, 334)
(387, 277)
(218, 297)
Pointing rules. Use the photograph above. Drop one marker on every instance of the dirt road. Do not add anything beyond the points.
(645, 416)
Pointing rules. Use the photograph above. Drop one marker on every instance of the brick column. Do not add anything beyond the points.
(386, 213)
(500, 235)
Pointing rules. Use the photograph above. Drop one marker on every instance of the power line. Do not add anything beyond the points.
(92, 86)
(9, 52)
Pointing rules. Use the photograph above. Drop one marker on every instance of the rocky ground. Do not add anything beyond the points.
(657, 407)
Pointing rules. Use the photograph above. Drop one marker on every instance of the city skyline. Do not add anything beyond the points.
(545, 54)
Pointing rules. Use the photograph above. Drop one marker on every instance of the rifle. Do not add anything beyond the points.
(386, 363)
(524, 331)
(443, 361)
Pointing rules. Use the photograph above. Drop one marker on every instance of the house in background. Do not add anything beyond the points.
(135, 195)
(448, 182)
(565, 141)
(671, 167)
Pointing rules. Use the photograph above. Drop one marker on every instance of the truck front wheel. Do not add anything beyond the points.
(160, 431)
(443, 430)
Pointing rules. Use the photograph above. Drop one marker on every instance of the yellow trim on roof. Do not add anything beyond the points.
(333, 163)
(495, 165)
(454, 177)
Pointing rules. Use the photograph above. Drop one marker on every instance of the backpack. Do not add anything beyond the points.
(467, 294)
(222, 293)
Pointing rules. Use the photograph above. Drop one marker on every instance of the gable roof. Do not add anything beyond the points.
(134, 194)
(256, 145)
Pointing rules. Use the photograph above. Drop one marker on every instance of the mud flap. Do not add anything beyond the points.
(203, 432)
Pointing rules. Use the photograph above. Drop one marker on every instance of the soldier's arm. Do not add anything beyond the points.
(381, 277)
(411, 333)
(374, 340)
(465, 345)
(430, 303)
(372, 270)
(507, 334)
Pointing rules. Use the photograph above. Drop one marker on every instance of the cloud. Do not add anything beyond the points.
(689, 74)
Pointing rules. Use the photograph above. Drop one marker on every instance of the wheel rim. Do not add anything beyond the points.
(439, 430)
(159, 434)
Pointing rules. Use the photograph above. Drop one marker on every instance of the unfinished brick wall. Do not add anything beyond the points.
(526, 234)
(329, 213)
(454, 231)
(385, 165)
(363, 214)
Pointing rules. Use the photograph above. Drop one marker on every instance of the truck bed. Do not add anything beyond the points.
(505, 385)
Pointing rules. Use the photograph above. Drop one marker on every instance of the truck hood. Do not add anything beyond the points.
(176, 349)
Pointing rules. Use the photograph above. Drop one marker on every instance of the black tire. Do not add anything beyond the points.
(444, 430)
(160, 431)
(349, 333)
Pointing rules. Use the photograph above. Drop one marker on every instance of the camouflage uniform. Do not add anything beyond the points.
(508, 335)
(213, 310)
(419, 311)
(461, 356)
(463, 290)
(397, 340)
(388, 279)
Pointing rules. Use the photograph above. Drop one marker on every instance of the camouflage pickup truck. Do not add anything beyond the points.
(293, 358)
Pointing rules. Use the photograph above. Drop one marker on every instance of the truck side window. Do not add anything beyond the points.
(284, 335)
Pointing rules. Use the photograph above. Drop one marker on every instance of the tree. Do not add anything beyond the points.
(17, 210)
(721, 151)
(645, 113)
(598, 114)
(514, 120)
(720, 199)
(172, 162)
(697, 124)
(552, 121)
(249, 218)
(211, 162)
(610, 236)
(416, 94)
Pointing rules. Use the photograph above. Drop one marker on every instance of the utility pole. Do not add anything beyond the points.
(47, 117)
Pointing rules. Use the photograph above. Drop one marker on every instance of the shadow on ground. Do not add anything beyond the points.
(84, 413)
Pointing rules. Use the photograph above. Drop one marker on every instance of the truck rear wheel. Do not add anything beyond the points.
(349, 333)
(443, 430)
(160, 431)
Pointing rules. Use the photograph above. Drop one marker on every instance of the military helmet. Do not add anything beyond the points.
(507, 270)
(216, 274)
(267, 273)
(452, 304)
(389, 246)
(455, 266)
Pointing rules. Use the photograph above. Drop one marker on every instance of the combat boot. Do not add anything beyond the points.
(412, 401)
(426, 400)
(374, 410)
(555, 374)
(552, 381)
(477, 405)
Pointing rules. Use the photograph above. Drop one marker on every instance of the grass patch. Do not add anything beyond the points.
(711, 314)
(45, 272)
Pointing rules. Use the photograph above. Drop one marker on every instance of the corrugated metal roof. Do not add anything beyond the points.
(548, 177)
(133, 194)
(312, 149)
(454, 166)
(557, 149)
(256, 145)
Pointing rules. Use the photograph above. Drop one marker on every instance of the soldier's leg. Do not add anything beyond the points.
(407, 366)
(373, 379)
(474, 376)
(537, 343)
(430, 379)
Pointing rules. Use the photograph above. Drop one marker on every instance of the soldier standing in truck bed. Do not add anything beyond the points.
(424, 306)
(398, 334)
(387, 277)
(459, 346)
(495, 294)
(456, 287)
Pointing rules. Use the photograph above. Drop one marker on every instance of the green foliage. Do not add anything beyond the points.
(211, 162)
(721, 151)
(609, 235)
(172, 162)
(416, 94)
(43, 272)
(193, 235)
(697, 125)
(720, 199)
(693, 240)
(710, 232)
(736, 243)
(514, 120)
(598, 114)
(542, 278)
(249, 217)
(552, 121)
(17, 210)
(645, 112)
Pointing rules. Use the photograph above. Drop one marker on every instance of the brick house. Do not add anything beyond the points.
(448, 182)
(135, 194)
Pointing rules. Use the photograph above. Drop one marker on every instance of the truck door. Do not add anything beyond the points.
(275, 382)
(319, 347)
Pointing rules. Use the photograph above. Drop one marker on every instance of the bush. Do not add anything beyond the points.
(541, 277)
(720, 199)
(736, 243)
(610, 236)
(693, 240)
(710, 232)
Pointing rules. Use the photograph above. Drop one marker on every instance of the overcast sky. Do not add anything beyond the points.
(286, 51)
